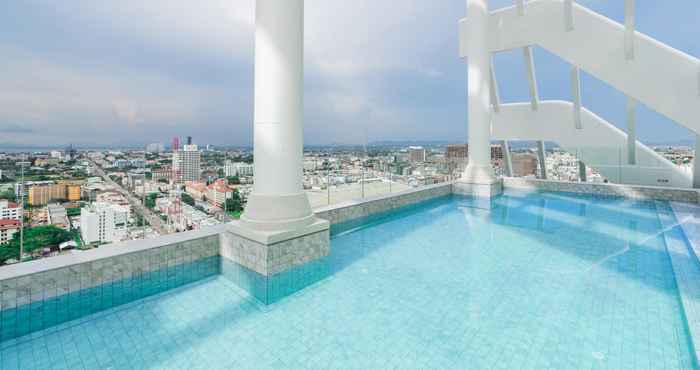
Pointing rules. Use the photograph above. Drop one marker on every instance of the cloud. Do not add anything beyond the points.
(15, 129)
(134, 71)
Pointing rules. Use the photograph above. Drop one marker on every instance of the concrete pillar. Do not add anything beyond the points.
(631, 131)
(542, 156)
(507, 159)
(478, 178)
(696, 163)
(277, 201)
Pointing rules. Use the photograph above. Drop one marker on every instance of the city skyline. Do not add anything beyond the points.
(146, 72)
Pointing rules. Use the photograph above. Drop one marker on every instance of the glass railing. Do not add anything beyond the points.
(672, 168)
(357, 183)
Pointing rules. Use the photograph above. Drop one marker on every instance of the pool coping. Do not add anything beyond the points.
(684, 256)
(104, 252)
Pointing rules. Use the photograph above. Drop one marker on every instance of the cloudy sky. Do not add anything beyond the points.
(133, 71)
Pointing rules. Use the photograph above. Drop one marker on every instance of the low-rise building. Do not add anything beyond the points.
(9, 210)
(197, 189)
(218, 192)
(8, 228)
(58, 216)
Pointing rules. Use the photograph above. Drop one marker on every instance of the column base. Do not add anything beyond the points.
(478, 181)
(277, 212)
(270, 265)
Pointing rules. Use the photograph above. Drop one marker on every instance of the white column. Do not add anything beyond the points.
(508, 159)
(542, 156)
(631, 131)
(479, 169)
(277, 201)
(696, 163)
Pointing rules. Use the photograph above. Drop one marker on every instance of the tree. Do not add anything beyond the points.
(187, 199)
(151, 201)
(233, 204)
(221, 173)
(9, 195)
(35, 238)
(233, 180)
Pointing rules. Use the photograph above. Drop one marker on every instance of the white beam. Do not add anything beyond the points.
(576, 95)
(631, 131)
(569, 15)
(542, 156)
(521, 6)
(531, 77)
(629, 28)
(495, 96)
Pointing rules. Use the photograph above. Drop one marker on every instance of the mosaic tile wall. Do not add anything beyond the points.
(613, 190)
(43, 300)
(270, 289)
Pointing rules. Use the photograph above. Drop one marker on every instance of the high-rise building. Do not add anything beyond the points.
(457, 152)
(189, 140)
(524, 164)
(416, 154)
(103, 223)
(496, 152)
(175, 146)
(186, 163)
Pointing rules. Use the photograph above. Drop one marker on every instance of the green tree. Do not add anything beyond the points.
(9, 194)
(151, 201)
(35, 238)
(233, 204)
(187, 199)
(233, 180)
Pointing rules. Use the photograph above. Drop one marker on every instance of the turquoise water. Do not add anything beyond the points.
(532, 281)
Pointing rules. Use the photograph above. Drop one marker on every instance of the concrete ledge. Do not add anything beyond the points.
(105, 252)
(351, 210)
(613, 190)
(272, 237)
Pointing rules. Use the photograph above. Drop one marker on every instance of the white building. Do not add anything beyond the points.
(104, 223)
(417, 154)
(238, 169)
(56, 154)
(186, 163)
(155, 148)
(9, 210)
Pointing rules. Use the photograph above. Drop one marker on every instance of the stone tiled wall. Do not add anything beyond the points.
(352, 210)
(269, 260)
(42, 297)
(617, 190)
(478, 190)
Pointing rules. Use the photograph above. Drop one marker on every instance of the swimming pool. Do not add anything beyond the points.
(523, 281)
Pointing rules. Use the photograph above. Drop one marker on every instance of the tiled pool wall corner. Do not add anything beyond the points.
(269, 265)
(348, 211)
(603, 189)
(680, 239)
(42, 294)
(478, 190)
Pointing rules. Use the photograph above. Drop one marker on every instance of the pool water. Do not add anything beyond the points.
(525, 281)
